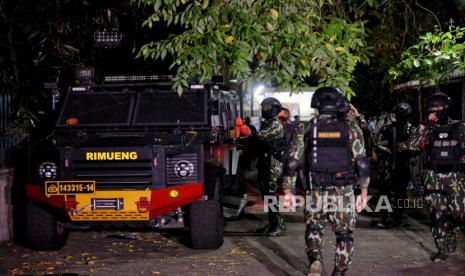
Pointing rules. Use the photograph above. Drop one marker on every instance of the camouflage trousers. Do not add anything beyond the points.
(289, 182)
(321, 210)
(269, 172)
(446, 200)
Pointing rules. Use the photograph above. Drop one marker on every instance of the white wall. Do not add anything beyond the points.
(302, 100)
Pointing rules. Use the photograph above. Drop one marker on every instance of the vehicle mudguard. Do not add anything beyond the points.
(213, 171)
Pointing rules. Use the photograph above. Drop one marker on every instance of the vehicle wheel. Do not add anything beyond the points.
(206, 222)
(43, 231)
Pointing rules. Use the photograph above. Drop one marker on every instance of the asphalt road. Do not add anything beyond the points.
(402, 251)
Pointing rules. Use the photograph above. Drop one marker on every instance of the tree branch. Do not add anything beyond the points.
(432, 13)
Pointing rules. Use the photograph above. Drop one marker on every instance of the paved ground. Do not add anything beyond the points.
(403, 251)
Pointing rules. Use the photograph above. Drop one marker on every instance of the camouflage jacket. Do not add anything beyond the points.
(417, 139)
(382, 132)
(439, 181)
(380, 135)
(294, 140)
(357, 145)
(271, 131)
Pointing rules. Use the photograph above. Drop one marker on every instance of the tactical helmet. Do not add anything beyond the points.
(440, 104)
(270, 108)
(328, 100)
(438, 101)
(345, 108)
(403, 109)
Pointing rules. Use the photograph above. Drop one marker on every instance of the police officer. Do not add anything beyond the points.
(294, 149)
(335, 161)
(390, 145)
(269, 144)
(443, 141)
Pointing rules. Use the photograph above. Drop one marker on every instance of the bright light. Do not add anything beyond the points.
(79, 89)
(109, 39)
(84, 74)
(259, 89)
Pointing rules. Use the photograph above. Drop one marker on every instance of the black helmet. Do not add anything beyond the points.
(440, 104)
(328, 100)
(343, 112)
(270, 108)
(438, 101)
(403, 109)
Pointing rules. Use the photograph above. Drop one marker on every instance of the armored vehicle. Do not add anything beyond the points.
(125, 150)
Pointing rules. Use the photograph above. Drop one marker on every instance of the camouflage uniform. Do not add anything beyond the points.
(343, 221)
(394, 175)
(293, 155)
(269, 168)
(444, 192)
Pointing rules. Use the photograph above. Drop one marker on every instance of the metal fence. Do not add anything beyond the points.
(8, 139)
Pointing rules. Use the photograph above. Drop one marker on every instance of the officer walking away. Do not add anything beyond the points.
(335, 161)
(443, 140)
(294, 149)
(270, 143)
(394, 157)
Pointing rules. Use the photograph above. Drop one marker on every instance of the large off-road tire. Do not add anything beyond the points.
(43, 231)
(206, 222)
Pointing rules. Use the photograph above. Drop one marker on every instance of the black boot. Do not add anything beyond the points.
(441, 255)
(452, 240)
(277, 226)
(315, 267)
(264, 229)
(338, 272)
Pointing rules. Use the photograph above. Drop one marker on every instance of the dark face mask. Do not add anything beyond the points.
(442, 117)
(267, 114)
(439, 117)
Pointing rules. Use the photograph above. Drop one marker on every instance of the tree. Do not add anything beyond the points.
(433, 58)
(40, 40)
(286, 43)
(394, 26)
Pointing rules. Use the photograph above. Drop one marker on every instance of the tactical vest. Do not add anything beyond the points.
(443, 148)
(330, 153)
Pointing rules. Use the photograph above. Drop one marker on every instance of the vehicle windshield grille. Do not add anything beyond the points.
(105, 109)
(168, 108)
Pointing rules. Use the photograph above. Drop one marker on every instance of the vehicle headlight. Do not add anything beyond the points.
(183, 169)
(48, 170)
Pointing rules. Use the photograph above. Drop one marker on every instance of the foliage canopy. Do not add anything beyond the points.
(433, 58)
(280, 43)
